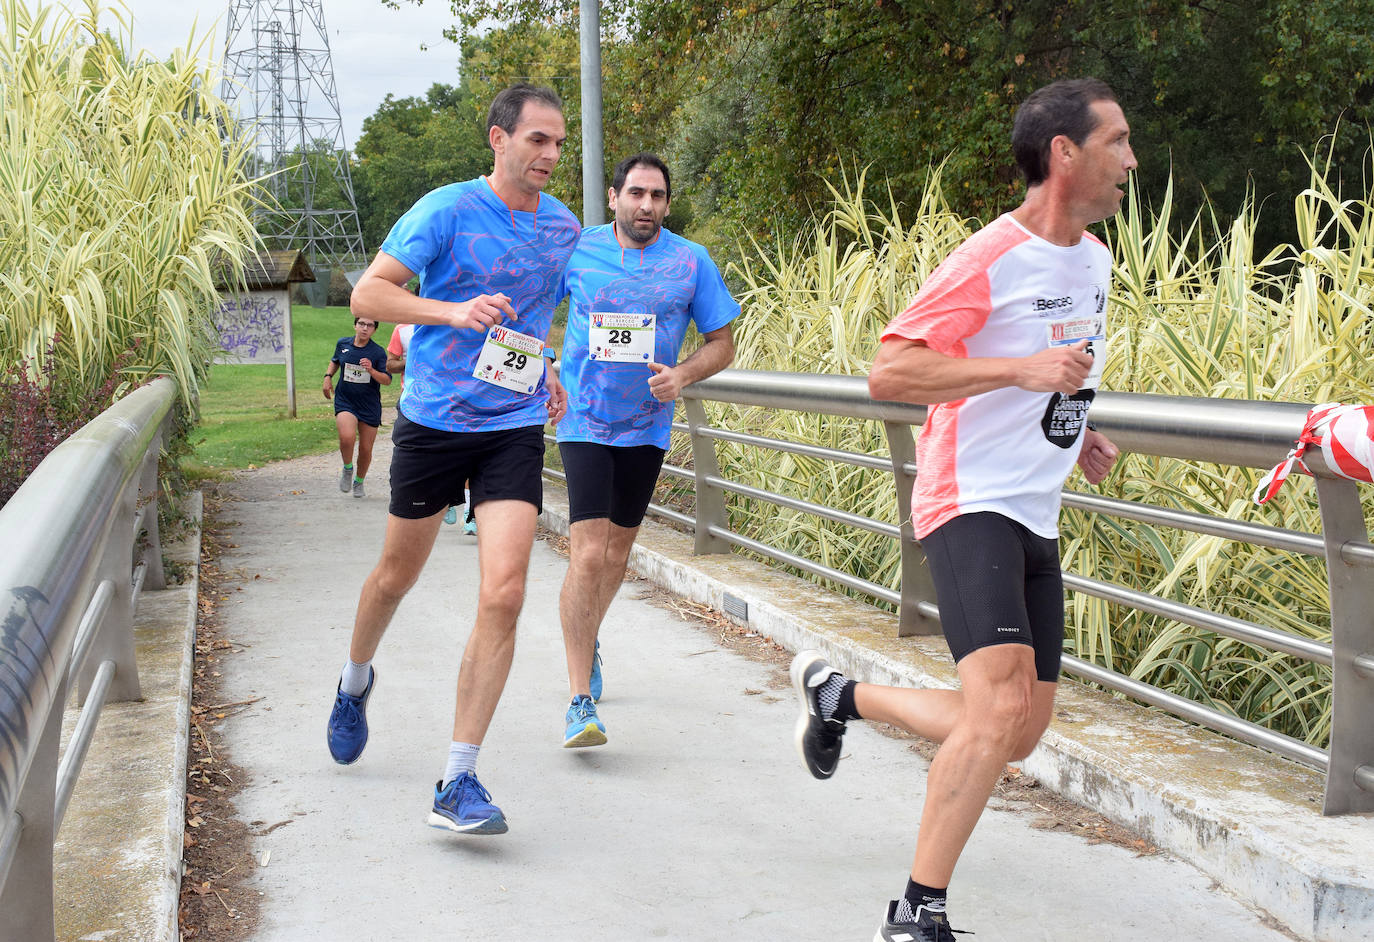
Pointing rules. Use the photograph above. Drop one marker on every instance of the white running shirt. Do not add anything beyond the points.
(1005, 293)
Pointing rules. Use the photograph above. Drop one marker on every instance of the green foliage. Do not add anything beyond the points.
(758, 101)
(410, 146)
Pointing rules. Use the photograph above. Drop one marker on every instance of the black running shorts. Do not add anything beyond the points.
(430, 467)
(610, 480)
(998, 583)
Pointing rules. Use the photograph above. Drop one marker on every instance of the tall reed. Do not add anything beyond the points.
(121, 199)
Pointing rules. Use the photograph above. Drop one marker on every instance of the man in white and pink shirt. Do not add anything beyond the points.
(1005, 341)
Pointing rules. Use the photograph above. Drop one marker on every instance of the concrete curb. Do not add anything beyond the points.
(117, 861)
(1250, 820)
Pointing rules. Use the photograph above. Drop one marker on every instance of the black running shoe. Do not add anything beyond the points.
(818, 740)
(928, 927)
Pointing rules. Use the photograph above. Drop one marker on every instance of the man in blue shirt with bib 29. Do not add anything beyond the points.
(490, 254)
(634, 287)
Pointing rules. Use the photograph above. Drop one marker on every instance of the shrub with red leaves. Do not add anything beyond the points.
(38, 413)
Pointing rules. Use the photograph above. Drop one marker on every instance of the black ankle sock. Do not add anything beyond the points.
(845, 710)
(915, 897)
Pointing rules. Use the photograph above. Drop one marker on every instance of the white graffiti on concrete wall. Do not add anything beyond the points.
(252, 327)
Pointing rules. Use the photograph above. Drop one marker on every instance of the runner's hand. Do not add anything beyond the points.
(328, 388)
(365, 363)
(558, 397)
(666, 384)
(1097, 457)
(482, 312)
(1056, 369)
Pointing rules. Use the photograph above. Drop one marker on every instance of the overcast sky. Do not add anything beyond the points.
(375, 51)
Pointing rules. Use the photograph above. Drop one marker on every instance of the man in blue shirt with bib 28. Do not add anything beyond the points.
(633, 288)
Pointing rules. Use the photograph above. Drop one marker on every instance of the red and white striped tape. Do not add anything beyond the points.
(1345, 435)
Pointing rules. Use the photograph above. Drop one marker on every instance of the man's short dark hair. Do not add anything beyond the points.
(1063, 107)
(622, 170)
(505, 109)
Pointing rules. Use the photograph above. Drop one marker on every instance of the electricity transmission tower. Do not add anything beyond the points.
(279, 77)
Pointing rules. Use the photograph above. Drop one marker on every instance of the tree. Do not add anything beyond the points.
(762, 100)
(410, 146)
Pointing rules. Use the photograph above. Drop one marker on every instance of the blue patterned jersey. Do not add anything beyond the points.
(673, 279)
(463, 240)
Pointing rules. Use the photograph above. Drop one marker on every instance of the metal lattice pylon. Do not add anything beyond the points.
(278, 76)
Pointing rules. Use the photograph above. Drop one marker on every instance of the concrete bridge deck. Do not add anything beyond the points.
(695, 822)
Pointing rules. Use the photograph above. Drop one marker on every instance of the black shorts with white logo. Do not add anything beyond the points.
(610, 481)
(430, 467)
(998, 583)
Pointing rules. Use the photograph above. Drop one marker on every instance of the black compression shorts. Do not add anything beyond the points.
(998, 583)
(430, 467)
(610, 480)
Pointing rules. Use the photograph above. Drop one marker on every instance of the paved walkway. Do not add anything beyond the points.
(695, 822)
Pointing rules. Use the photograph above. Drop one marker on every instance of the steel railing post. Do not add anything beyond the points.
(917, 585)
(1352, 637)
(114, 637)
(149, 492)
(710, 501)
(26, 899)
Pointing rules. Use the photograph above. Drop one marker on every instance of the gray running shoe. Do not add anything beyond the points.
(345, 479)
(358, 489)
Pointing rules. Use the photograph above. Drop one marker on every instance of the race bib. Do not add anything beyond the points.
(511, 360)
(353, 373)
(1090, 327)
(620, 338)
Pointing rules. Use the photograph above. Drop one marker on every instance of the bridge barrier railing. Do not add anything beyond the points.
(81, 543)
(1222, 432)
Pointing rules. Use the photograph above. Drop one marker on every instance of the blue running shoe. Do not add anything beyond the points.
(469, 522)
(451, 515)
(348, 723)
(584, 726)
(596, 673)
(463, 805)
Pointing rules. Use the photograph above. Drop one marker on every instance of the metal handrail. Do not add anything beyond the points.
(69, 582)
(1226, 432)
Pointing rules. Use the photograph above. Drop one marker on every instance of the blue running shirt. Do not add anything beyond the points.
(463, 240)
(673, 279)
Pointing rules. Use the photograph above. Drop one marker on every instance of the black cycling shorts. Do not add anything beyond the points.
(430, 467)
(610, 481)
(998, 583)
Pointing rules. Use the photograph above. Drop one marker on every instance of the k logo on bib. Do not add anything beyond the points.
(1345, 435)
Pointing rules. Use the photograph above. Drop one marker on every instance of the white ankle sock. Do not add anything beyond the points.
(462, 757)
(354, 678)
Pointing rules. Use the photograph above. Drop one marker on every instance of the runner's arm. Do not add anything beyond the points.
(710, 358)
(909, 371)
(380, 295)
(395, 352)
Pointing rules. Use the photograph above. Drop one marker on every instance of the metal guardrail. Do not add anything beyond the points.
(82, 542)
(1226, 432)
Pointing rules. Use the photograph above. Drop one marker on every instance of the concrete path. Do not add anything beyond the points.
(695, 822)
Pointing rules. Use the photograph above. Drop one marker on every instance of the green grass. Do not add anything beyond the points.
(243, 413)
(244, 421)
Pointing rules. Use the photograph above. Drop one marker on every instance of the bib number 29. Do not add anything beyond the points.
(515, 361)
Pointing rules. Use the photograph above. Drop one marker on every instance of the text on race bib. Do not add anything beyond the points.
(1067, 331)
(353, 373)
(617, 337)
(511, 360)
